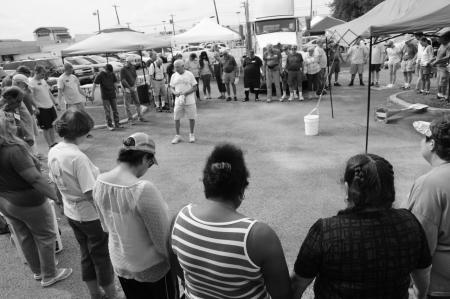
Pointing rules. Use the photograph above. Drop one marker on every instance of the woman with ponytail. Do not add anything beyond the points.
(222, 253)
(368, 250)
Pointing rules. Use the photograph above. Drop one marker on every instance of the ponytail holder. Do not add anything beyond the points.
(359, 175)
(221, 166)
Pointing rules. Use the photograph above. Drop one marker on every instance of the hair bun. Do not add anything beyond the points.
(221, 166)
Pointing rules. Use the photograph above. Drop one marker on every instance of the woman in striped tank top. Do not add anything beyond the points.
(222, 253)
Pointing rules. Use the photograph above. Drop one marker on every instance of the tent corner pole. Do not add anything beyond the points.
(329, 76)
(368, 95)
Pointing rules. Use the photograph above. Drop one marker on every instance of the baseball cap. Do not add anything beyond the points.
(438, 130)
(20, 78)
(141, 142)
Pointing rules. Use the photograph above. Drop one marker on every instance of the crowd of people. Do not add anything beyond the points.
(123, 226)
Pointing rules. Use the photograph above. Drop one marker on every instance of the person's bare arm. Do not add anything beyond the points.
(265, 250)
(39, 182)
(421, 279)
(81, 91)
(299, 285)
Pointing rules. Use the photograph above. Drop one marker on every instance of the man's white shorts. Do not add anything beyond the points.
(185, 111)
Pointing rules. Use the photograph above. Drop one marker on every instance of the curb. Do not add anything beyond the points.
(396, 100)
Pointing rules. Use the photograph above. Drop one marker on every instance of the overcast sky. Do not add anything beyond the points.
(18, 19)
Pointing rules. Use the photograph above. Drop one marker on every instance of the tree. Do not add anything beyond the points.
(348, 10)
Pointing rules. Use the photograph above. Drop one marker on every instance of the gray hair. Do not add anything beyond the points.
(178, 62)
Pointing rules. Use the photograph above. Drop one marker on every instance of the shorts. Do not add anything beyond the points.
(407, 66)
(375, 67)
(46, 117)
(228, 77)
(335, 67)
(252, 82)
(425, 70)
(356, 68)
(442, 76)
(185, 111)
(295, 79)
(394, 65)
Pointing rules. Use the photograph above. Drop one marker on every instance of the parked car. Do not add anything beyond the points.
(82, 68)
(194, 49)
(99, 62)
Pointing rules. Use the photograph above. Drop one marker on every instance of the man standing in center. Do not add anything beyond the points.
(183, 85)
(128, 76)
(230, 72)
(294, 67)
(272, 61)
(158, 74)
(357, 55)
(69, 87)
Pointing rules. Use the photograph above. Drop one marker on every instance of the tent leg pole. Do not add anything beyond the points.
(368, 95)
(329, 77)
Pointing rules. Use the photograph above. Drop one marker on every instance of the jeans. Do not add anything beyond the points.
(131, 97)
(273, 76)
(95, 261)
(218, 75)
(165, 288)
(108, 105)
(206, 79)
(36, 234)
(313, 82)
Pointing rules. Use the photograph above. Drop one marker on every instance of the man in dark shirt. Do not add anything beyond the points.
(108, 86)
(128, 79)
(252, 75)
(294, 67)
(230, 72)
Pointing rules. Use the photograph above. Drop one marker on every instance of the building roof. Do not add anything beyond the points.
(51, 29)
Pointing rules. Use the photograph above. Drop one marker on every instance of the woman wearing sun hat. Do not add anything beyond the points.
(136, 216)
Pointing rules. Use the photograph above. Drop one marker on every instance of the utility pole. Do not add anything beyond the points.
(311, 10)
(215, 8)
(173, 24)
(117, 15)
(164, 24)
(128, 24)
(248, 38)
(97, 13)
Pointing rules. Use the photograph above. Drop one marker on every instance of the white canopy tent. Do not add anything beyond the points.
(114, 41)
(206, 31)
(393, 17)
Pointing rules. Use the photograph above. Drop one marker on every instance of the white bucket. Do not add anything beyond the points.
(311, 124)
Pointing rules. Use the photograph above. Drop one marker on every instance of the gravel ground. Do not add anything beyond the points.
(294, 178)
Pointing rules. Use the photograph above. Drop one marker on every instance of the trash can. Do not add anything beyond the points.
(143, 95)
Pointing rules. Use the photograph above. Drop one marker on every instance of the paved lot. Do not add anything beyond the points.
(294, 179)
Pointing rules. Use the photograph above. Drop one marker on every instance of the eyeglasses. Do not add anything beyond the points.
(151, 162)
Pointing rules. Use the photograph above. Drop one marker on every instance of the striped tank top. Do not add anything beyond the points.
(214, 258)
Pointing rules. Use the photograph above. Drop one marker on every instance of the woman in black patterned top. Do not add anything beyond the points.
(368, 250)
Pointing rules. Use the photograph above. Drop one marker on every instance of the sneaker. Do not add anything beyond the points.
(228, 99)
(337, 84)
(158, 109)
(351, 84)
(283, 98)
(222, 97)
(39, 276)
(235, 99)
(361, 83)
(118, 126)
(176, 139)
(61, 274)
(191, 138)
(291, 98)
(245, 100)
(143, 120)
(301, 99)
(110, 127)
(269, 100)
(257, 100)
(418, 91)
(295, 96)
(377, 84)
(426, 92)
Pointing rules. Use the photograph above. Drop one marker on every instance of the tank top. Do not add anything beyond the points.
(214, 258)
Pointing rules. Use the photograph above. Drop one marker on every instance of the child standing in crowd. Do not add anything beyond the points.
(425, 65)
(74, 175)
(206, 72)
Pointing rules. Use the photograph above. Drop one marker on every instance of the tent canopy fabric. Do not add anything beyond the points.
(206, 31)
(394, 16)
(114, 42)
(324, 23)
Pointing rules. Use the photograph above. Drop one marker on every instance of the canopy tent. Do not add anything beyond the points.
(393, 17)
(113, 41)
(320, 24)
(206, 31)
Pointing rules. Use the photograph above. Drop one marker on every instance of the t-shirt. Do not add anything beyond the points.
(205, 70)
(41, 93)
(69, 86)
(128, 74)
(272, 60)
(14, 159)
(294, 62)
(357, 54)
(74, 174)
(252, 66)
(378, 54)
(106, 81)
(394, 55)
(229, 64)
(182, 83)
(429, 201)
(157, 72)
(321, 56)
(363, 254)
(193, 66)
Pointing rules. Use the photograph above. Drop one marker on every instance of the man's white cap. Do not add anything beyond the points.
(423, 127)
(20, 78)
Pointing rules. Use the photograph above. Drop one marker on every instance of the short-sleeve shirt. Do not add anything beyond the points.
(41, 93)
(182, 83)
(272, 59)
(363, 254)
(157, 72)
(429, 201)
(228, 64)
(74, 174)
(321, 56)
(205, 70)
(128, 74)
(106, 80)
(252, 66)
(294, 62)
(13, 187)
(193, 66)
(69, 85)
